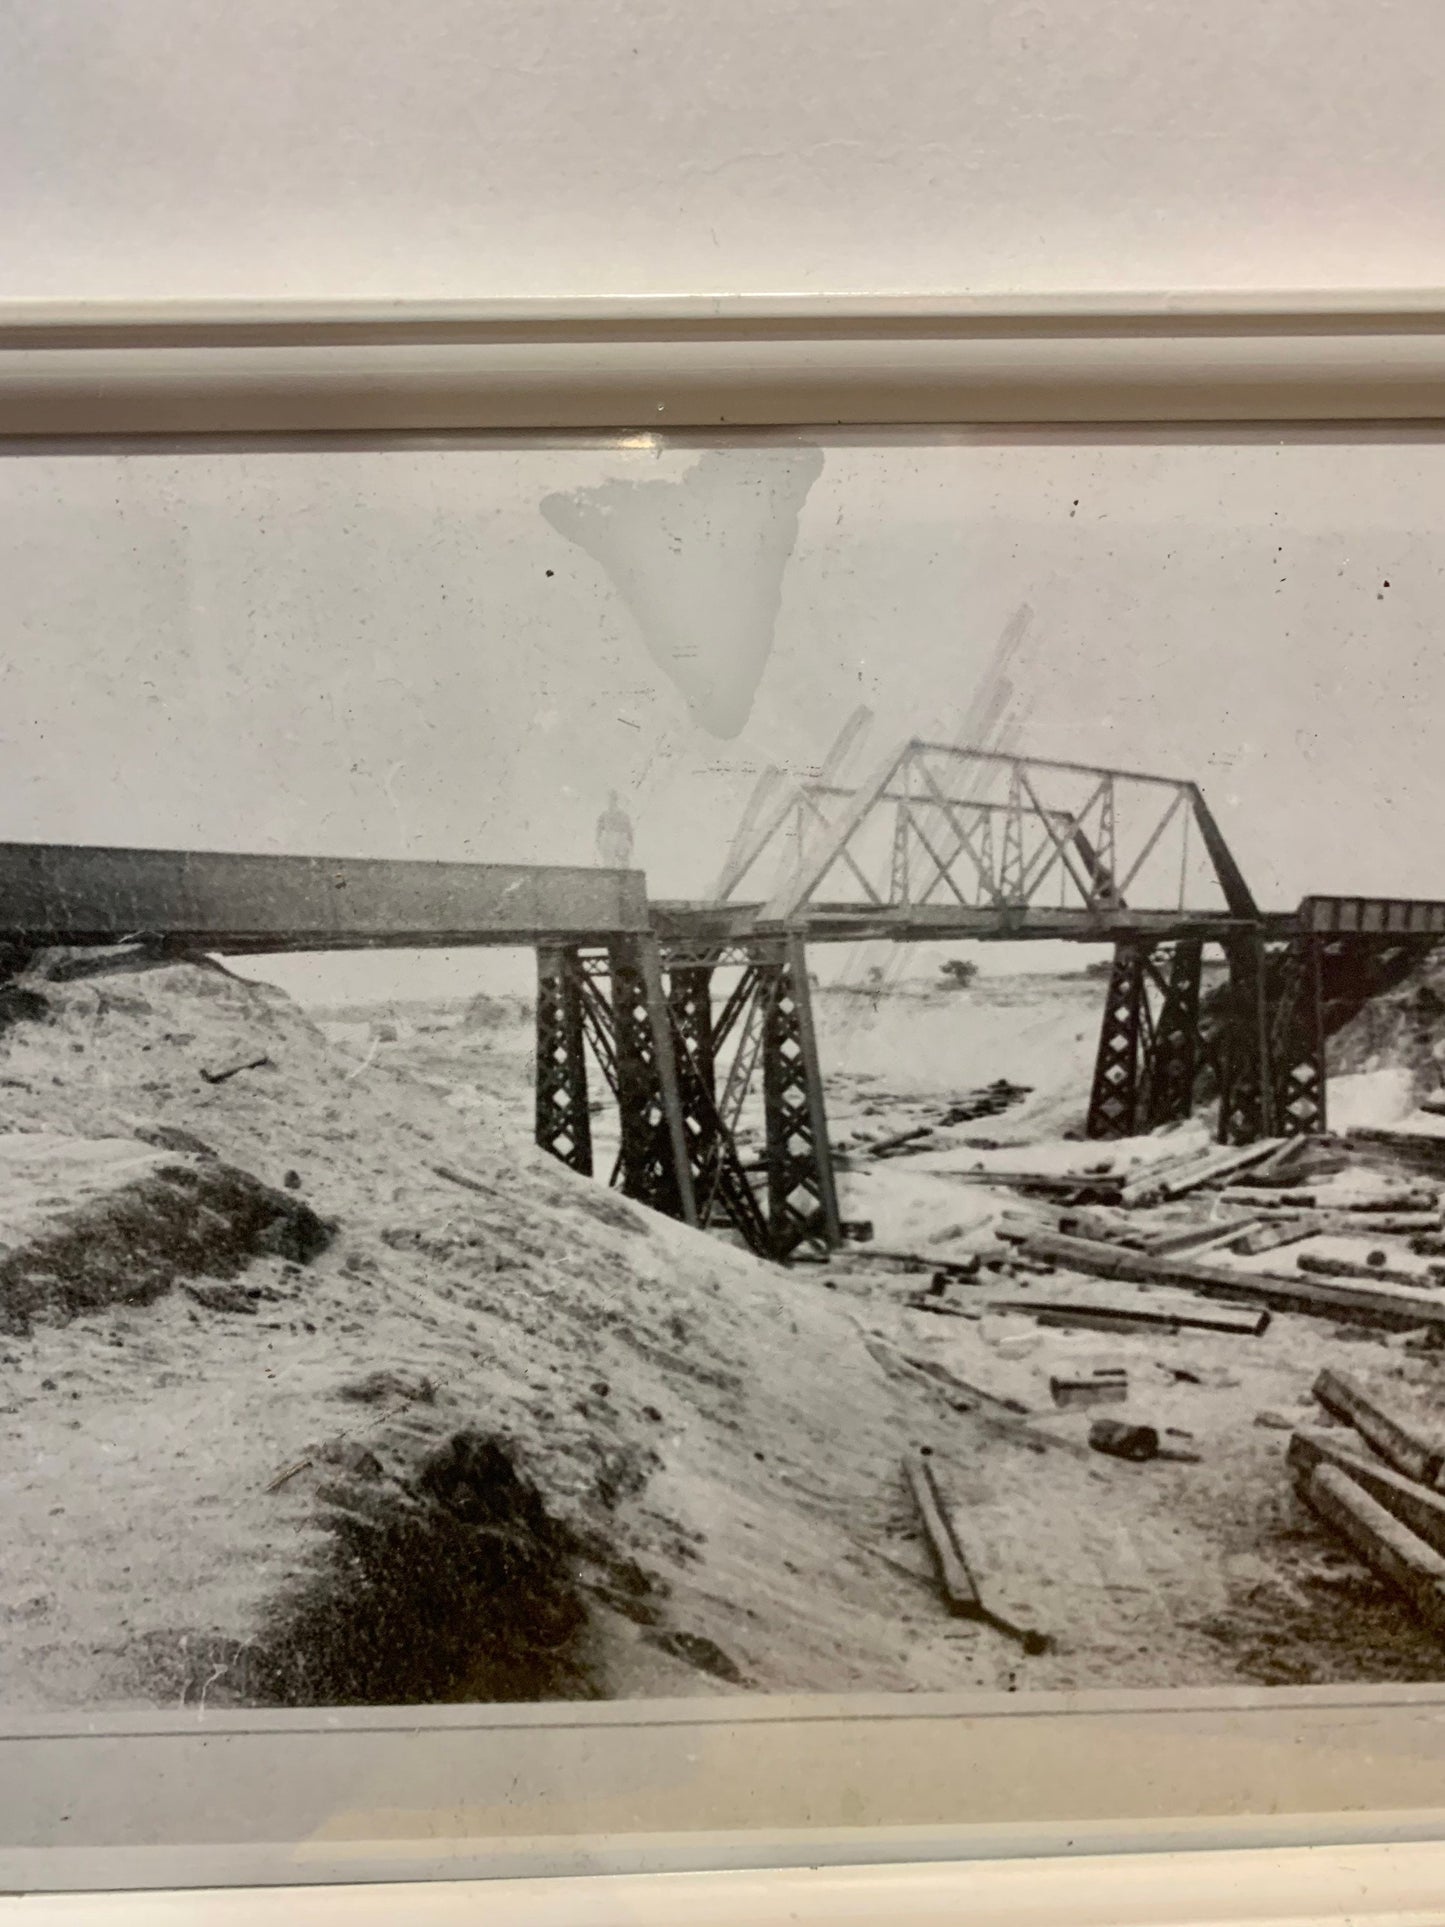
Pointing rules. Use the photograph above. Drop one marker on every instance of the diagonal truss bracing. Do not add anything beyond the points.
(936, 828)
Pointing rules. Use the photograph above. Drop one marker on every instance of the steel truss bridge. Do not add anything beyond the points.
(698, 1014)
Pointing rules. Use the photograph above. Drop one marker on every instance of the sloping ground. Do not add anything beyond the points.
(506, 1435)
(1402, 1030)
(423, 1416)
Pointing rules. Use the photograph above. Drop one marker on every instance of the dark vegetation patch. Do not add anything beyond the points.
(21, 1005)
(132, 1246)
(454, 1582)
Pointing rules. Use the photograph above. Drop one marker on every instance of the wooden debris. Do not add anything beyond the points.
(1142, 1185)
(881, 1146)
(1123, 1441)
(1202, 1237)
(468, 1184)
(953, 1574)
(1100, 1187)
(1385, 1543)
(1322, 1265)
(1396, 1442)
(290, 1472)
(1337, 1222)
(1391, 1204)
(941, 1374)
(1392, 1224)
(1113, 1317)
(1209, 1169)
(1109, 1385)
(1279, 1164)
(234, 1070)
(965, 1267)
(926, 1301)
(1087, 1221)
(1388, 1307)
(1418, 1148)
(960, 1588)
(1270, 1236)
(1420, 1508)
(1136, 1443)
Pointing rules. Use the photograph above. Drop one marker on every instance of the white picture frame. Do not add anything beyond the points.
(1320, 1803)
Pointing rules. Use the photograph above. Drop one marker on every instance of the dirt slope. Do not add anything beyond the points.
(643, 1379)
(1402, 1030)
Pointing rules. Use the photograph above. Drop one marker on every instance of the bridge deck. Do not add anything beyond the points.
(701, 922)
(56, 893)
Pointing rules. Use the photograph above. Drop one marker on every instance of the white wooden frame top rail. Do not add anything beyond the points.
(717, 364)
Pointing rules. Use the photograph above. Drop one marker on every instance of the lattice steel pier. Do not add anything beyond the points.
(683, 1063)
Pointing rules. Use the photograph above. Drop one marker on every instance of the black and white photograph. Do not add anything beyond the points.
(645, 1068)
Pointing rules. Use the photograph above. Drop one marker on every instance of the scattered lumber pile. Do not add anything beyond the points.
(1217, 1241)
(1386, 1306)
(1132, 1234)
(1375, 1486)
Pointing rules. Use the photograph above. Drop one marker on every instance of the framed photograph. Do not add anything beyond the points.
(722, 1110)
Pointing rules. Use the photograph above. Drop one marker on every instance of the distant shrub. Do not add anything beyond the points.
(959, 973)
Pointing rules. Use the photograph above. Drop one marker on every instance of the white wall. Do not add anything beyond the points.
(153, 148)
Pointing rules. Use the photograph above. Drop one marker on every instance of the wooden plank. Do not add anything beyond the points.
(1421, 1148)
(1073, 1221)
(1390, 1307)
(1280, 1160)
(1415, 1505)
(953, 1574)
(1385, 1543)
(1274, 1234)
(879, 1146)
(965, 1267)
(958, 1583)
(1175, 1178)
(1143, 1187)
(1202, 1237)
(1370, 1211)
(1334, 1221)
(1105, 1317)
(1221, 1164)
(1105, 1186)
(1321, 1265)
(1398, 1443)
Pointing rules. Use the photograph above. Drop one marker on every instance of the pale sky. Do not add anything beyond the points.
(399, 654)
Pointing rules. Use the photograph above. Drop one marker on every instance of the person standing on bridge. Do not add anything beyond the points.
(614, 835)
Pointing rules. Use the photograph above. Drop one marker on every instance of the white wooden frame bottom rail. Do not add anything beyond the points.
(1362, 1886)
